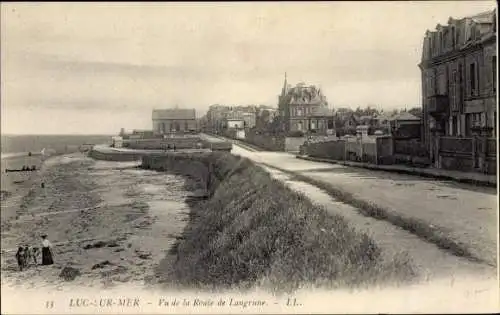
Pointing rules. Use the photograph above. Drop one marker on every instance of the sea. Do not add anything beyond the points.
(21, 145)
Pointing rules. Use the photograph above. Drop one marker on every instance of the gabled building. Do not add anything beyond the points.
(458, 70)
(303, 108)
(174, 120)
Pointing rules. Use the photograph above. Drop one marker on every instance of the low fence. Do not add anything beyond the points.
(328, 150)
(410, 147)
(467, 154)
(347, 150)
(375, 150)
(292, 144)
(272, 142)
(453, 153)
(268, 142)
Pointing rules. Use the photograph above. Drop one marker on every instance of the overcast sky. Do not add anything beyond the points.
(97, 67)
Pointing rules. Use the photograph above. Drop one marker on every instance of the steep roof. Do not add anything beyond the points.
(303, 94)
(404, 116)
(484, 17)
(174, 113)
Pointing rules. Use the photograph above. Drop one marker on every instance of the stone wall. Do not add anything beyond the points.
(161, 144)
(210, 168)
(268, 142)
(116, 156)
(293, 144)
(334, 150)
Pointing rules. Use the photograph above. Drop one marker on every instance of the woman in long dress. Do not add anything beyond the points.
(20, 258)
(46, 251)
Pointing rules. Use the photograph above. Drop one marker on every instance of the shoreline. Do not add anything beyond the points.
(17, 185)
(110, 221)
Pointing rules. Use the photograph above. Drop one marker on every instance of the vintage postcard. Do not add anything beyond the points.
(249, 157)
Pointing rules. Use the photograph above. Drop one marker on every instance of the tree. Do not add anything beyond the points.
(263, 119)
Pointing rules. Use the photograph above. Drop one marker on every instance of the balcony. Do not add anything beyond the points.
(438, 104)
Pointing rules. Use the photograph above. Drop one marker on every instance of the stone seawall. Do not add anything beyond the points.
(211, 168)
(116, 156)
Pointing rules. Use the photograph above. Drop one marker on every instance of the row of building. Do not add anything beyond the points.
(223, 116)
(458, 93)
(304, 108)
(459, 78)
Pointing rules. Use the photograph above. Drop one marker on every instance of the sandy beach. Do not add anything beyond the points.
(110, 221)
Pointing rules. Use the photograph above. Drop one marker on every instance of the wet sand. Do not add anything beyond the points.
(16, 185)
(109, 220)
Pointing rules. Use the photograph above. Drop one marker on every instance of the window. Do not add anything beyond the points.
(299, 126)
(494, 72)
(453, 37)
(472, 120)
(330, 124)
(472, 79)
(431, 84)
(476, 120)
(455, 126)
(442, 83)
(454, 94)
(494, 124)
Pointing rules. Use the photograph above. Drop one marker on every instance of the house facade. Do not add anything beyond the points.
(174, 120)
(458, 71)
(304, 108)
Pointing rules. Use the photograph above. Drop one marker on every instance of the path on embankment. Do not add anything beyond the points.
(458, 213)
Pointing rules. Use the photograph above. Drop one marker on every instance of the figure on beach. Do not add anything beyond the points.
(35, 255)
(46, 251)
(27, 256)
(20, 258)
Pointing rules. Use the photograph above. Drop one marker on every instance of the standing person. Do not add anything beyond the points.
(27, 256)
(20, 258)
(46, 251)
(35, 254)
(173, 146)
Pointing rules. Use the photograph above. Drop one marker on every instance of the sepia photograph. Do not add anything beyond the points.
(249, 157)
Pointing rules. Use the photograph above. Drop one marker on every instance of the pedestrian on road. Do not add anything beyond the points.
(173, 146)
(20, 258)
(46, 251)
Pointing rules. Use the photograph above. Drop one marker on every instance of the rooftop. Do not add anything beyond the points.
(174, 113)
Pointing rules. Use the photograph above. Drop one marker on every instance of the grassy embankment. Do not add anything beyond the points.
(254, 231)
